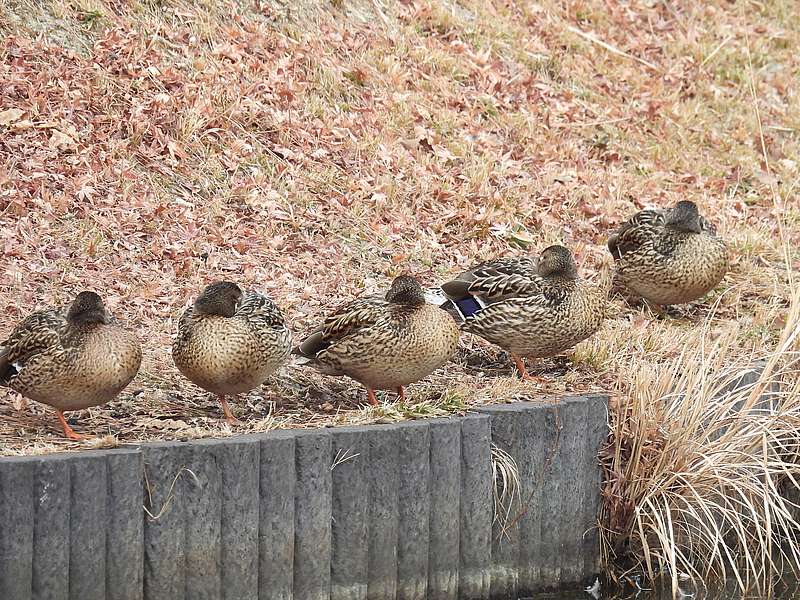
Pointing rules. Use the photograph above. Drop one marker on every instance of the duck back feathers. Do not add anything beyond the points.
(383, 342)
(347, 320)
(491, 281)
(36, 333)
(530, 306)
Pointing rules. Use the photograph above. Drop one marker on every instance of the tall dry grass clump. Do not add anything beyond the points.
(703, 449)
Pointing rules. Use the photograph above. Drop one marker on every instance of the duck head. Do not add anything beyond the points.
(406, 290)
(88, 308)
(219, 298)
(684, 216)
(557, 261)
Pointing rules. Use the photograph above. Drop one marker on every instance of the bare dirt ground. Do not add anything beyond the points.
(316, 150)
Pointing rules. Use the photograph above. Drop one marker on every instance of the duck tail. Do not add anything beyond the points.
(7, 368)
(306, 352)
(435, 296)
(298, 358)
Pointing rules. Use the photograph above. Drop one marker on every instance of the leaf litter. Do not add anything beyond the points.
(148, 149)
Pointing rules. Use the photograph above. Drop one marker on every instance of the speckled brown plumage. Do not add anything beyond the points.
(383, 343)
(669, 256)
(70, 360)
(229, 342)
(532, 307)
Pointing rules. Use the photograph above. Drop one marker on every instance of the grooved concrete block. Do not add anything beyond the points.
(276, 516)
(383, 511)
(445, 493)
(574, 482)
(165, 500)
(407, 513)
(200, 491)
(16, 528)
(124, 537)
(414, 481)
(312, 542)
(537, 437)
(506, 436)
(350, 461)
(238, 460)
(222, 484)
(551, 480)
(596, 434)
(88, 523)
(476, 508)
(51, 529)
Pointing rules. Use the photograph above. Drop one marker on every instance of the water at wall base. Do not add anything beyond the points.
(786, 589)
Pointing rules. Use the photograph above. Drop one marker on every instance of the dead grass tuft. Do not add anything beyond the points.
(505, 474)
(703, 449)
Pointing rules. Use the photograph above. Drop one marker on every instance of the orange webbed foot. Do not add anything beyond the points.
(371, 397)
(523, 372)
(68, 431)
(227, 410)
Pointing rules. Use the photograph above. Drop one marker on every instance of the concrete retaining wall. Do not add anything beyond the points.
(397, 511)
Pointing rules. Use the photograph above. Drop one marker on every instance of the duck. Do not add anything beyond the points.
(229, 341)
(70, 360)
(530, 306)
(668, 257)
(383, 342)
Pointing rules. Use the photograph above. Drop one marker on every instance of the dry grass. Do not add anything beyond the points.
(701, 449)
(701, 469)
(505, 474)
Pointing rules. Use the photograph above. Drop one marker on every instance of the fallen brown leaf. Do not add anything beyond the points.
(10, 115)
(61, 141)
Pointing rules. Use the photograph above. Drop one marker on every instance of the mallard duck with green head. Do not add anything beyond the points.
(70, 360)
(669, 256)
(230, 341)
(532, 306)
(385, 342)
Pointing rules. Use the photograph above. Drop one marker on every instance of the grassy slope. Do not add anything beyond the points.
(317, 150)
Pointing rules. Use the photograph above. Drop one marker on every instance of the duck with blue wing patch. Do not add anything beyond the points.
(532, 307)
(383, 342)
(669, 256)
(230, 341)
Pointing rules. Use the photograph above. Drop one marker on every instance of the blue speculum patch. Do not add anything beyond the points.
(468, 306)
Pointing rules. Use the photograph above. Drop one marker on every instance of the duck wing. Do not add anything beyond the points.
(495, 280)
(707, 226)
(36, 333)
(256, 308)
(264, 318)
(343, 321)
(641, 228)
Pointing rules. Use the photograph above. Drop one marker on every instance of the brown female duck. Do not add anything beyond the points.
(230, 341)
(532, 307)
(669, 256)
(383, 342)
(70, 361)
